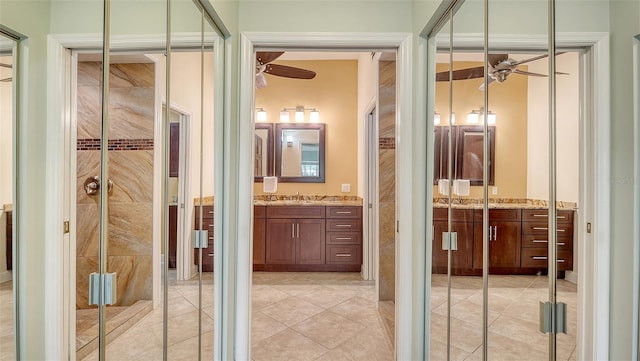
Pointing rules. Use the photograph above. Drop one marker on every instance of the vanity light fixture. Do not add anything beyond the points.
(261, 115)
(473, 117)
(477, 117)
(314, 114)
(436, 118)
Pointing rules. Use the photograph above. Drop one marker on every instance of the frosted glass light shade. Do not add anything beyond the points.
(299, 117)
(284, 116)
(314, 116)
(436, 118)
(473, 118)
(261, 115)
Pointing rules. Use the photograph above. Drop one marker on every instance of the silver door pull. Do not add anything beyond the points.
(540, 241)
(541, 258)
(343, 238)
(540, 228)
(343, 212)
(343, 254)
(343, 225)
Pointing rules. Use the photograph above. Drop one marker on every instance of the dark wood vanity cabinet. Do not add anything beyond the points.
(462, 225)
(259, 228)
(9, 240)
(518, 241)
(504, 239)
(295, 235)
(535, 239)
(207, 225)
(308, 238)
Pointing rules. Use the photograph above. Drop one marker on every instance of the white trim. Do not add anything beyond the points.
(370, 233)
(401, 42)
(636, 198)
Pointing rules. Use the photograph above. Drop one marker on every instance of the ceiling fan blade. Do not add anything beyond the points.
(491, 80)
(289, 71)
(5, 65)
(522, 72)
(495, 59)
(264, 57)
(5, 80)
(535, 58)
(461, 74)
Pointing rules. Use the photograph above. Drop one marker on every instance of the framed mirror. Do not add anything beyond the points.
(300, 153)
(263, 151)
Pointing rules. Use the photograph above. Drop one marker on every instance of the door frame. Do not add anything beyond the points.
(595, 163)
(636, 198)
(371, 232)
(406, 295)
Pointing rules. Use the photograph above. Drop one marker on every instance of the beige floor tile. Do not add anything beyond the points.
(326, 297)
(328, 329)
(266, 296)
(287, 345)
(503, 348)
(263, 326)
(360, 310)
(367, 345)
(291, 310)
(439, 352)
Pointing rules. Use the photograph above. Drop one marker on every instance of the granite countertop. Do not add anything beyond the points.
(293, 200)
(502, 203)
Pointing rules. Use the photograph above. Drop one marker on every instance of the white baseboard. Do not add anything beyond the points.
(571, 277)
(6, 276)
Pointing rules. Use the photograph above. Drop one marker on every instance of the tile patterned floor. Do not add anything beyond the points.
(7, 348)
(333, 316)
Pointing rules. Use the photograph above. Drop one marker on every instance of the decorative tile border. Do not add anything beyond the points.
(116, 144)
(387, 143)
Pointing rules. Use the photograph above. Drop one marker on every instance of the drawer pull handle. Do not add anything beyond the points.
(343, 225)
(561, 243)
(540, 258)
(343, 238)
(540, 228)
(210, 254)
(343, 212)
(211, 238)
(560, 261)
(343, 254)
(540, 241)
(540, 215)
(211, 225)
(210, 212)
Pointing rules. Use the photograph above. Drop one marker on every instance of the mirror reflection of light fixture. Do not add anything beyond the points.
(314, 114)
(284, 116)
(491, 117)
(473, 117)
(261, 115)
(453, 118)
(436, 118)
(477, 117)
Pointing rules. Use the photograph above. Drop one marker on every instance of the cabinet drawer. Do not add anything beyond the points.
(542, 228)
(259, 211)
(537, 258)
(354, 225)
(207, 225)
(343, 254)
(344, 212)
(295, 212)
(457, 215)
(496, 215)
(207, 212)
(537, 215)
(541, 241)
(344, 238)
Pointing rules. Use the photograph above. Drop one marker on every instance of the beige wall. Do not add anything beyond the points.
(509, 101)
(567, 130)
(334, 93)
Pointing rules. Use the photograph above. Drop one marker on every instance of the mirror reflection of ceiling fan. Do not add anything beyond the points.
(500, 67)
(5, 80)
(264, 66)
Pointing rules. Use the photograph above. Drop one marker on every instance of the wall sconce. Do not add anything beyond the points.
(477, 117)
(261, 115)
(314, 114)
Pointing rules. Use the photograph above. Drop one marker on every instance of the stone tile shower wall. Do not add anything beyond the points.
(132, 104)
(387, 180)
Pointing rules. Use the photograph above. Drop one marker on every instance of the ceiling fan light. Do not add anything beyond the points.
(314, 116)
(261, 115)
(284, 116)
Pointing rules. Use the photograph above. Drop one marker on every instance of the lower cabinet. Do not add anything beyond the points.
(259, 227)
(504, 239)
(462, 226)
(309, 238)
(9, 238)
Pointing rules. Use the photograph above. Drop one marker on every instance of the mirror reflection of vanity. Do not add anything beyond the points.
(293, 152)
(263, 151)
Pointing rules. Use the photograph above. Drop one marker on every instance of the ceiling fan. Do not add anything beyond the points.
(5, 80)
(264, 66)
(500, 67)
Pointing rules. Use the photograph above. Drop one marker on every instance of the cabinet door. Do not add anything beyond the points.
(281, 241)
(504, 245)
(310, 241)
(259, 226)
(460, 258)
